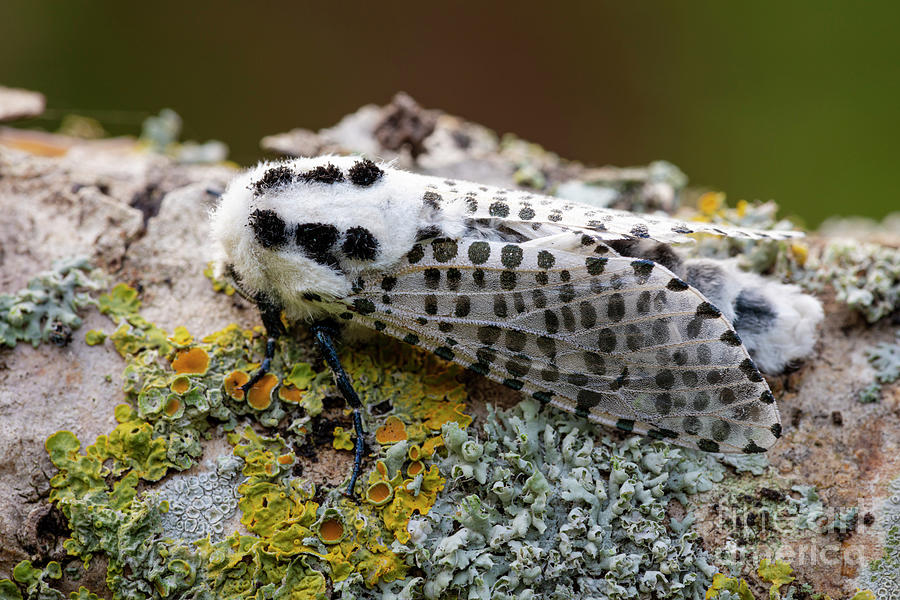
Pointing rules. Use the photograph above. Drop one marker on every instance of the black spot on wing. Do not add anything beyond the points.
(444, 249)
(273, 178)
(323, 174)
(432, 200)
(640, 230)
(642, 270)
(499, 209)
(268, 228)
(708, 445)
(511, 256)
(676, 285)
(364, 306)
(595, 265)
(360, 244)
(705, 310)
(748, 368)
(731, 338)
(545, 259)
(364, 173)
(416, 253)
(753, 448)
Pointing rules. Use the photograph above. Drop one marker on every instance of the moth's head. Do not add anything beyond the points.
(310, 225)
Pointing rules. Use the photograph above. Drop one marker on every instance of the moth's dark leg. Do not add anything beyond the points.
(270, 312)
(323, 333)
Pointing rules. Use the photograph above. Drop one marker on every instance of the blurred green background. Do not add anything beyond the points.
(792, 101)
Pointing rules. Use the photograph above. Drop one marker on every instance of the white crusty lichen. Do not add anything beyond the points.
(548, 507)
(203, 504)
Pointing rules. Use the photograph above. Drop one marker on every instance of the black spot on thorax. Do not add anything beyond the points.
(323, 174)
(273, 178)
(360, 244)
(317, 239)
(268, 228)
(364, 173)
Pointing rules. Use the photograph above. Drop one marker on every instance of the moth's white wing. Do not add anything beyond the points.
(619, 340)
(516, 208)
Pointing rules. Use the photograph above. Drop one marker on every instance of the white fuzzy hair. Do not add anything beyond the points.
(389, 209)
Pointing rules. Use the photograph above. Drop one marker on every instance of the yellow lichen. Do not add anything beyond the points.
(800, 251)
(181, 337)
(776, 572)
(391, 432)
(260, 395)
(432, 444)
(382, 565)
(710, 203)
(194, 361)
(233, 383)
(301, 376)
(406, 502)
(415, 468)
(94, 337)
(446, 412)
(342, 439)
(736, 587)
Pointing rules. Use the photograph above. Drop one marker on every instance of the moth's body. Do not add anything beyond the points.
(582, 307)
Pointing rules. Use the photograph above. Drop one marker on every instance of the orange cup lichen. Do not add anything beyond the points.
(289, 393)
(415, 468)
(331, 531)
(379, 493)
(286, 459)
(194, 361)
(172, 407)
(233, 383)
(260, 395)
(391, 432)
(180, 385)
(414, 452)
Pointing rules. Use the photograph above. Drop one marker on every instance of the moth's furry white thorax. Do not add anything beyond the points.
(389, 209)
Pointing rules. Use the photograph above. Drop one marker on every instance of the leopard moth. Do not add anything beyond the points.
(588, 309)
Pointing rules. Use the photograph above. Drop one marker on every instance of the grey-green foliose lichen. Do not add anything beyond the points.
(47, 308)
(885, 358)
(882, 576)
(548, 507)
